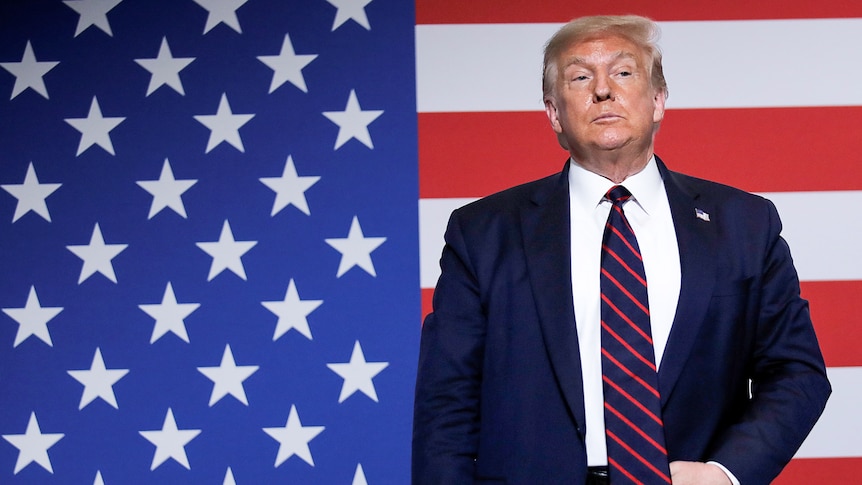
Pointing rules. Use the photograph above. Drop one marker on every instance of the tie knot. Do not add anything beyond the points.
(618, 194)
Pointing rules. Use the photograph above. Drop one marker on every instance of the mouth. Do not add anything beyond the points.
(607, 118)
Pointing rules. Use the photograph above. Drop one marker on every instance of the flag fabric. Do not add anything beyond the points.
(756, 101)
(208, 241)
(208, 222)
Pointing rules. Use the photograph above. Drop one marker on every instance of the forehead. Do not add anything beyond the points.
(600, 50)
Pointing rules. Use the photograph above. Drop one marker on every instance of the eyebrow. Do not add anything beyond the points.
(581, 61)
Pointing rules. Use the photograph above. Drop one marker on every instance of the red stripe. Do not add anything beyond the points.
(836, 307)
(631, 349)
(625, 291)
(622, 315)
(515, 11)
(636, 429)
(820, 470)
(629, 373)
(633, 400)
(619, 209)
(427, 297)
(613, 463)
(619, 234)
(767, 150)
(628, 269)
(638, 456)
(476, 154)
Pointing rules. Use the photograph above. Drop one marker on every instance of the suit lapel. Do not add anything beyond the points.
(547, 234)
(697, 240)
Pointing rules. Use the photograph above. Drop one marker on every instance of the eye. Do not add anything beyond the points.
(625, 73)
(580, 78)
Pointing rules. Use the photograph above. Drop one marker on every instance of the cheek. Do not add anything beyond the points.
(575, 101)
(645, 108)
(575, 111)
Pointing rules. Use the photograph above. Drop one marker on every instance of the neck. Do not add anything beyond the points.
(615, 167)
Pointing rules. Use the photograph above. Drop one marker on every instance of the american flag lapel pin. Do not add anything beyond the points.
(700, 214)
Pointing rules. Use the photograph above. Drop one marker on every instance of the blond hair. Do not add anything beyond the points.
(642, 31)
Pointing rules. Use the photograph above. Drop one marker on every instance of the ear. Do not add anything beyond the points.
(658, 106)
(553, 115)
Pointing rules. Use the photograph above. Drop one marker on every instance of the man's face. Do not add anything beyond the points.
(603, 98)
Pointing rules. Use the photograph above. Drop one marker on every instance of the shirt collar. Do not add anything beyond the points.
(587, 189)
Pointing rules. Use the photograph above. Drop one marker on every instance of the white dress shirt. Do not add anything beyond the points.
(648, 212)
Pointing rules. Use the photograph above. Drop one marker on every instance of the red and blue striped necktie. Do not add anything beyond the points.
(633, 425)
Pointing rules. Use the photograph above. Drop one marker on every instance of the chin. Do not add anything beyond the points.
(614, 139)
(609, 145)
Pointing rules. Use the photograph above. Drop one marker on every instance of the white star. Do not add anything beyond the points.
(359, 476)
(167, 191)
(97, 256)
(292, 312)
(169, 315)
(287, 66)
(228, 477)
(353, 122)
(170, 442)
(290, 188)
(357, 374)
(95, 129)
(28, 73)
(33, 445)
(356, 249)
(93, 12)
(98, 381)
(32, 319)
(228, 378)
(293, 438)
(222, 11)
(98, 480)
(224, 125)
(350, 9)
(226, 253)
(31, 195)
(165, 69)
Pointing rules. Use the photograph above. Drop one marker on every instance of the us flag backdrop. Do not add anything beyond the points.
(208, 241)
(210, 244)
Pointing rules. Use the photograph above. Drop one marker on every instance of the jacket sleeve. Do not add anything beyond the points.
(447, 400)
(789, 387)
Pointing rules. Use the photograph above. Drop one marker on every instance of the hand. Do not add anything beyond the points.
(697, 473)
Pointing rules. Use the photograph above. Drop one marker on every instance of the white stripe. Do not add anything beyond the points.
(708, 64)
(809, 218)
(837, 433)
(817, 226)
(433, 216)
(488, 67)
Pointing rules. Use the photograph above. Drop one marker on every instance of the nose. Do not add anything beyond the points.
(602, 89)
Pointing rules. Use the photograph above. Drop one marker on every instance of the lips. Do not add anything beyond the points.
(605, 117)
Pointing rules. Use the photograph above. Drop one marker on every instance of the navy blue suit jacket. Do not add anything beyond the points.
(499, 395)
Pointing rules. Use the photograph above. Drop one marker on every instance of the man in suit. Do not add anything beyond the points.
(510, 384)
